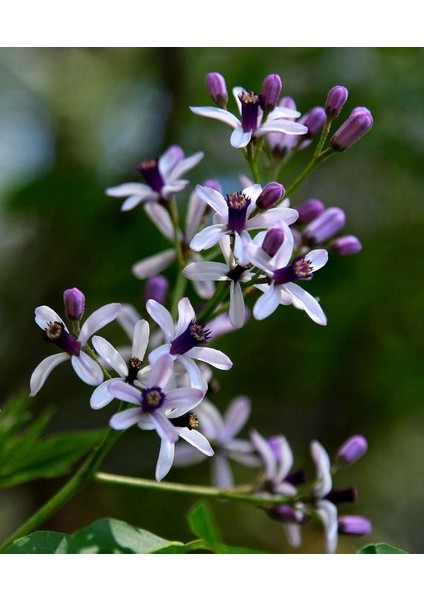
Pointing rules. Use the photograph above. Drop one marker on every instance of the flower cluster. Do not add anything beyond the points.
(247, 251)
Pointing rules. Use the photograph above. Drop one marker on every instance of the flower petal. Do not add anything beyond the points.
(222, 475)
(108, 353)
(206, 270)
(236, 415)
(285, 459)
(214, 199)
(216, 113)
(270, 217)
(102, 396)
(125, 418)
(327, 512)
(240, 138)
(127, 318)
(164, 427)
(323, 468)
(282, 126)
(160, 217)
(169, 160)
(210, 420)
(266, 453)
(304, 301)
(124, 391)
(87, 369)
(213, 357)
(195, 211)
(45, 315)
(161, 371)
(98, 319)
(267, 303)
(186, 455)
(237, 312)
(128, 189)
(318, 258)
(43, 370)
(162, 317)
(186, 315)
(185, 165)
(183, 400)
(165, 459)
(141, 339)
(282, 112)
(147, 267)
(194, 373)
(196, 439)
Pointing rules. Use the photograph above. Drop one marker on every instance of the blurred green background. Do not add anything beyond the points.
(74, 121)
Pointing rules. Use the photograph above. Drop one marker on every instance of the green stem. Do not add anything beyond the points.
(251, 159)
(213, 302)
(81, 478)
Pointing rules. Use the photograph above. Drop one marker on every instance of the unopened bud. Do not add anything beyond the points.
(74, 301)
(213, 183)
(270, 93)
(273, 241)
(314, 120)
(325, 226)
(156, 289)
(272, 193)
(351, 450)
(354, 525)
(217, 88)
(309, 210)
(336, 99)
(347, 244)
(356, 126)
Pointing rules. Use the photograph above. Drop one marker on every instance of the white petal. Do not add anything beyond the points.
(147, 267)
(108, 353)
(174, 188)
(87, 369)
(127, 318)
(206, 271)
(237, 311)
(157, 352)
(101, 396)
(183, 400)
(45, 315)
(128, 189)
(196, 439)
(267, 303)
(186, 315)
(240, 138)
(318, 258)
(141, 339)
(282, 126)
(169, 160)
(282, 112)
(164, 427)
(194, 373)
(304, 301)
(100, 317)
(125, 418)
(165, 459)
(328, 515)
(323, 468)
(270, 217)
(204, 289)
(210, 420)
(222, 475)
(266, 453)
(124, 391)
(219, 114)
(195, 211)
(160, 217)
(213, 357)
(294, 534)
(161, 371)
(236, 415)
(162, 317)
(286, 459)
(284, 253)
(214, 199)
(44, 369)
(208, 237)
(185, 165)
(133, 201)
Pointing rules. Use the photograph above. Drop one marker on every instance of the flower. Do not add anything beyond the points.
(156, 408)
(185, 341)
(162, 178)
(56, 332)
(252, 123)
(221, 431)
(127, 371)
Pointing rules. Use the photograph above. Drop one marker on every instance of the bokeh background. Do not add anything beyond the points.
(74, 121)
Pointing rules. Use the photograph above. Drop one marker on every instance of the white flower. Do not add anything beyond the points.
(162, 178)
(156, 407)
(279, 120)
(127, 371)
(55, 331)
(325, 509)
(185, 341)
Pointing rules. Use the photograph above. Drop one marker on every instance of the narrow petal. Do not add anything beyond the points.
(222, 474)
(282, 126)
(87, 369)
(141, 339)
(45, 315)
(219, 114)
(125, 418)
(128, 189)
(318, 258)
(100, 317)
(185, 165)
(196, 439)
(127, 318)
(194, 373)
(286, 459)
(186, 315)
(213, 357)
(102, 396)
(236, 415)
(147, 267)
(183, 400)
(293, 533)
(108, 353)
(164, 427)
(270, 217)
(204, 289)
(240, 138)
(266, 453)
(327, 512)
(157, 352)
(266, 304)
(162, 317)
(323, 468)
(206, 271)
(186, 455)
(304, 301)
(282, 112)
(44, 369)
(165, 459)
(208, 237)
(160, 217)
(237, 311)
(169, 160)
(214, 199)
(195, 212)
(133, 201)
(210, 420)
(125, 391)
(285, 252)
(161, 371)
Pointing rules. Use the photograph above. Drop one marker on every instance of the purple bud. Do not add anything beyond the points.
(309, 209)
(272, 193)
(357, 124)
(156, 288)
(351, 450)
(314, 120)
(217, 88)
(354, 525)
(271, 90)
(347, 244)
(74, 301)
(213, 183)
(288, 102)
(287, 514)
(273, 241)
(336, 99)
(324, 226)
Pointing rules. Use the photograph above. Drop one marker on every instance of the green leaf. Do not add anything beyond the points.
(202, 523)
(41, 542)
(381, 549)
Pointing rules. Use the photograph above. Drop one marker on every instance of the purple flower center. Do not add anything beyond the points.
(152, 399)
(56, 333)
(301, 268)
(150, 171)
(134, 365)
(237, 211)
(249, 111)
(196, 334)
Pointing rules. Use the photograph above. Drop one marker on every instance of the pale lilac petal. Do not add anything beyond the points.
(98, 319)
(208, 237)
(282, 126)
(125, 418)
(134, 201)
(236, 415)
(286, 459)
(237, 312)
(186, 455)
(148, 267)
(304, 301)
(221, 325)
(195, 211)
(87, 369)
(206, 270)
(204, 289)
(318, 258)
(194, 373)
(182, 400)
(267, 303)
(141, 339)
(293, 534)
(245, 455)
(44, 315)
(128, 189)
(210, 420)
(240, 138)
(108, 353)
(164, 427)
(160, 217)
(327, 512)
(125, 391)
(102, 396)
(186, 315)
(285, 252)
(158, 352)
(169, 160)
(161, 371)
(222, 475)
(282, 112)
(185, 165)
(256, 255)
(252, 191)
(270, 217)
(323, 468)
(162, 317)
(127, 318)
(214, 199)
(170, 189)
(213, 357)
(43, 370)
(196, 439)
(165, 459)
(237, 92)
(219, 114)
(266, 453)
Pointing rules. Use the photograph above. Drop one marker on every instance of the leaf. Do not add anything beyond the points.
(381, 549)
(41, 542)
(203, 524)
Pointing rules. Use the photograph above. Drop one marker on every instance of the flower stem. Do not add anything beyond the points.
(213, 302)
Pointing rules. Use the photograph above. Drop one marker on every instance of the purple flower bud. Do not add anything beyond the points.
(217, 88)
(347, 244)
(213, 183)
(287, 514)
(271, 90)
(357, 124)
(156, 289)
(273, 241)
(314, 120)
(354, 525)
(288, 102)
(74, 301)
(336, 99)
(324, 226)
(309, 209)
(351, 450)
(272, 193)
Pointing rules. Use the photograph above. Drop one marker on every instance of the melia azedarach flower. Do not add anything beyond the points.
(162, 176)
(56, 332)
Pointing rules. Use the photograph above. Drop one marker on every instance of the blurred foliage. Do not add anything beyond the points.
(74, 121)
